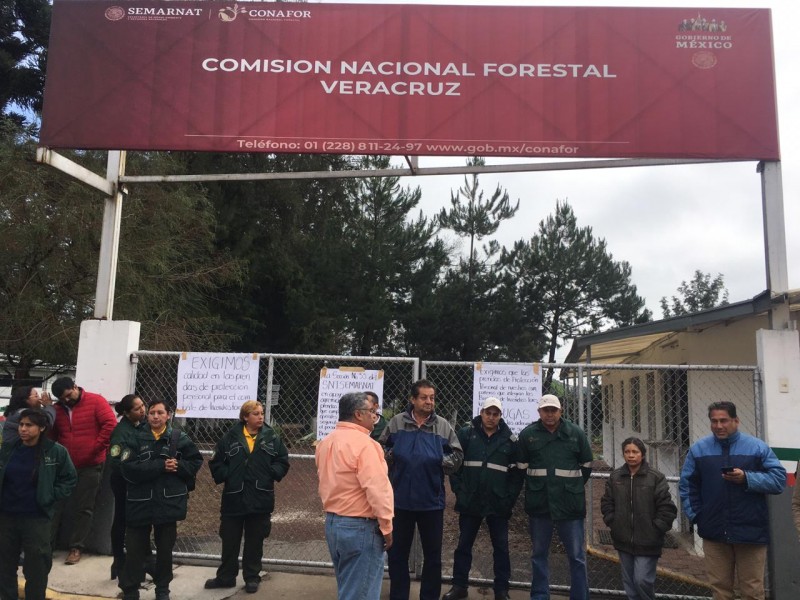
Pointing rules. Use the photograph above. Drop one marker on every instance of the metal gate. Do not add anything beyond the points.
(666, 406)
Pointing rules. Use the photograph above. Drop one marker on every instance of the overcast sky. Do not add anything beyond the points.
(665, 221)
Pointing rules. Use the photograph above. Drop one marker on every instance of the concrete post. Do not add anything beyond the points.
(104, 367)
(779, 362)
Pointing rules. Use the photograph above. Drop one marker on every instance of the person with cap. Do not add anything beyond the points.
(421, 448)
(486, 487)
(558, 461)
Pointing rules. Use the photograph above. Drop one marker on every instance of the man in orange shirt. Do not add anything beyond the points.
(357, 498)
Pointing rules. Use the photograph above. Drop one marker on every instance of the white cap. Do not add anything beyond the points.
(492, 401)
(549, 400)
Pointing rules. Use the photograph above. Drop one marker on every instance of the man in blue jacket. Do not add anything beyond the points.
(724, 485)
(421, 448)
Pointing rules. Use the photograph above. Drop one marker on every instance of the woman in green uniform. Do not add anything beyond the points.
(131, 409)
(35, 472)
(249, 459)
(159, 466)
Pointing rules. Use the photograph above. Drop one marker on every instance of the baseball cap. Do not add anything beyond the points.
(492, 401)
(549, 400)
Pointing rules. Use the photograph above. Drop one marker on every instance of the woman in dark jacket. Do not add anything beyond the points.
(249, 459)
(638, 508)
(24, 397)
(35, 472)
(159, 466)
(131, 409)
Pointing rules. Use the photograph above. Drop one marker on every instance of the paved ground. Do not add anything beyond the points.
(90, 579)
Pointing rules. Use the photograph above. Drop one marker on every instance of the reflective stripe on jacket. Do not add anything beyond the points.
(488, 482)
(557, 466)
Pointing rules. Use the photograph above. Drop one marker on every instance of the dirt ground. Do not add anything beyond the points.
(298, 536)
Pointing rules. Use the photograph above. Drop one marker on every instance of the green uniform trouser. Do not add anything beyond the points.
(31, 535)
(137, 543)
(254, 528)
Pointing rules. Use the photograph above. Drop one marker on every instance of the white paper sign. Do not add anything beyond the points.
(214, 386)
(518, 386)
(335, 383)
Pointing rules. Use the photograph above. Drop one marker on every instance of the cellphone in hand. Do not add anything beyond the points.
(724, 470)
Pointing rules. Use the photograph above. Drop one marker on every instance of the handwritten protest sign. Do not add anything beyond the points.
(214, 386)
(335, 383)
(518, 386)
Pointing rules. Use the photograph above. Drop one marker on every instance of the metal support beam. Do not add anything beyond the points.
(73, 169)
(774, 239)
(426, 171)
(413, 163)
(109, 240)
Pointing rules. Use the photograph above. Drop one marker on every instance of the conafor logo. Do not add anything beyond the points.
(115, 13)
(229, 13)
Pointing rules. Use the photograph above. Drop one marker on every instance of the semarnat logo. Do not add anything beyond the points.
(115, 13)
(231, 13)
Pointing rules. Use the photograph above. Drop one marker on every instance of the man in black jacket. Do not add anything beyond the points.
(486, 487)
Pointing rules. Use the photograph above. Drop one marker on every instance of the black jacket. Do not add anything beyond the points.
(249, 478)
(639, 510)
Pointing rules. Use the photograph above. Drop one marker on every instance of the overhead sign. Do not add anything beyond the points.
(560, 82)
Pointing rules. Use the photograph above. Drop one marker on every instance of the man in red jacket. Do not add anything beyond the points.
(84, 422)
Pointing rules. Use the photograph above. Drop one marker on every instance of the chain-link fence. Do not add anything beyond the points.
(288, 385)
(665, 406)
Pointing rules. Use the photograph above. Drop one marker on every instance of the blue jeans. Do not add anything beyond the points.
(356, 547)
(638, 575)
(468, 526)
(430, 524)
(572, 536)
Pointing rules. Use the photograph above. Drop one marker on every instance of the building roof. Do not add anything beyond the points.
(619, 345)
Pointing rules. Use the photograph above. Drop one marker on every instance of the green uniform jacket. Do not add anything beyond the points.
(557, 466)
(56, 478)
(639, 510)
(249, 478)
(124, 435)
(488, 482)
(380, 425)
(155, 496)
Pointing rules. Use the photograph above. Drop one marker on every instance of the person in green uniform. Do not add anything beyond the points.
(131, 410)
(557, 459)
(249, 459)
(486, 487)
(159, 465)
(35, 472)
(380, 420)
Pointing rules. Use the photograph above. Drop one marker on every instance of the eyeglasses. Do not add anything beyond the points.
(374, 411)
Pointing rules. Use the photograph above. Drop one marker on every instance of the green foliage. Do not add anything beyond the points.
(392, 256)
(700, 293)
(568, 283)
(50, 226)
(469, 295)
(24, 33)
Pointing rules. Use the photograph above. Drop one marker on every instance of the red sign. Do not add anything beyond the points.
(411, 79)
